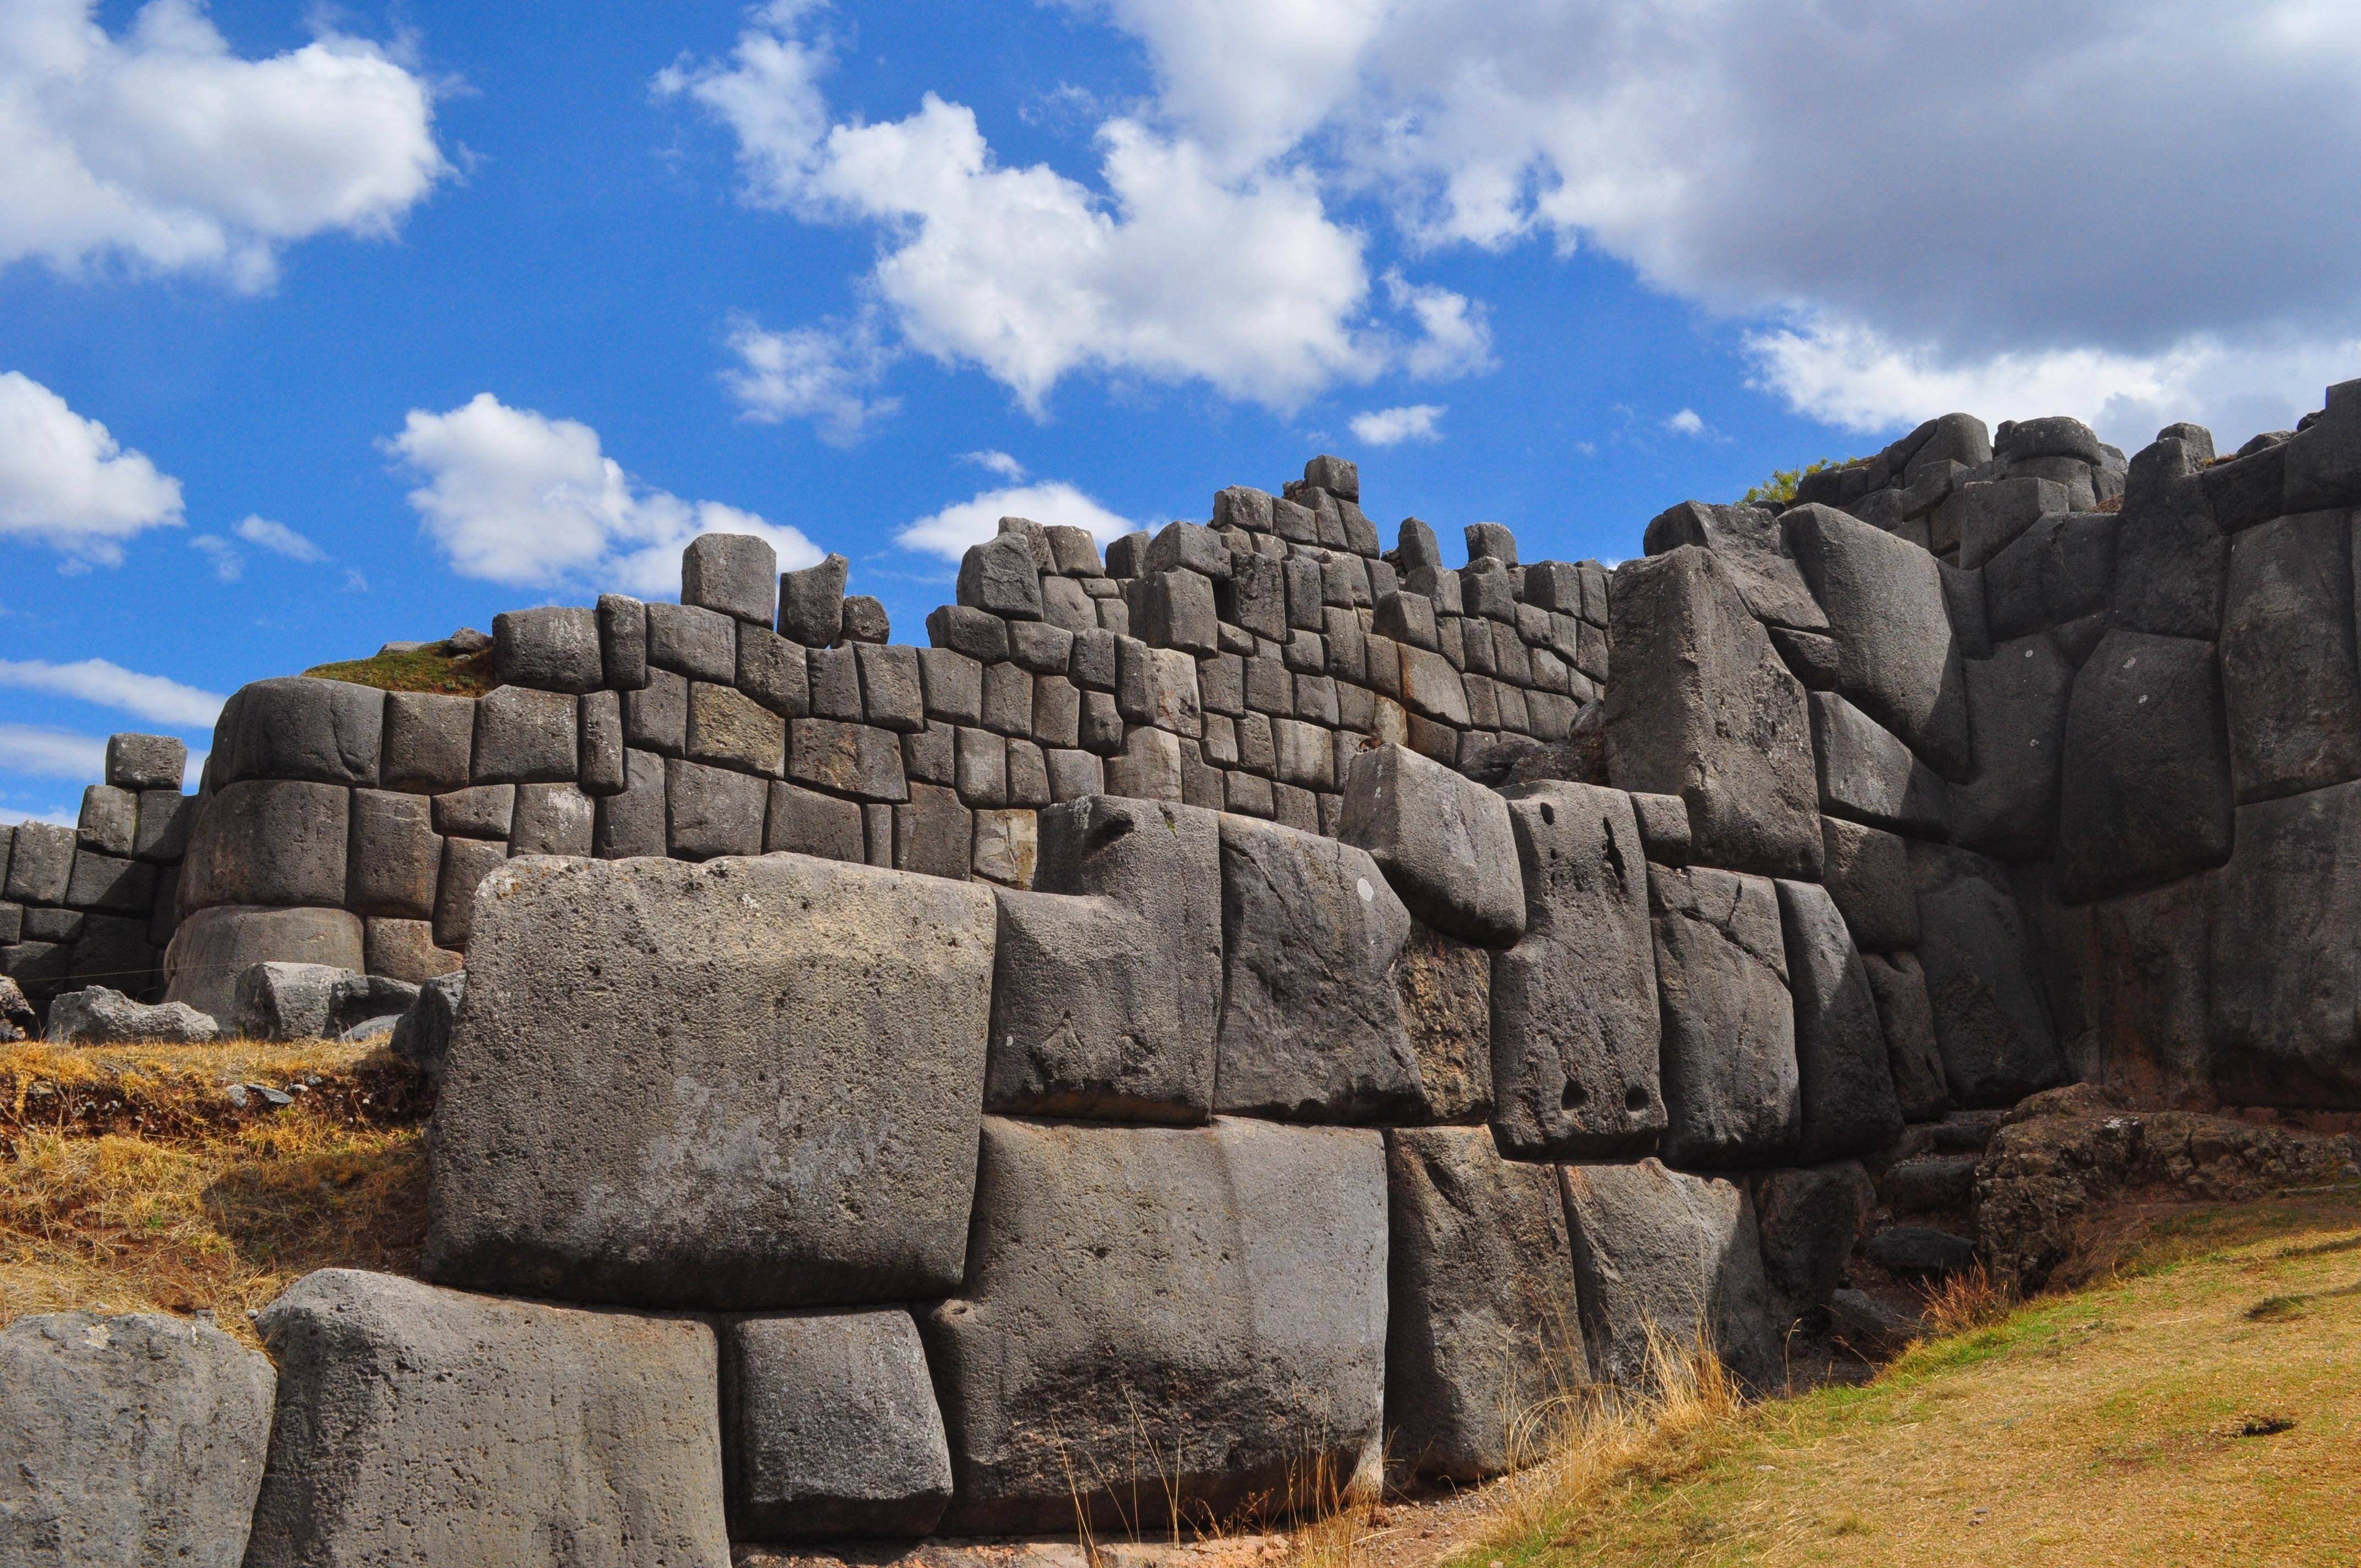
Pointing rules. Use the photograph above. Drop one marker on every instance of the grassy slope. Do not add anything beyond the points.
(2108, 1426)
(431, 669)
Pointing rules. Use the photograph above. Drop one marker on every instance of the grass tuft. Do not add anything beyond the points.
(433, 668)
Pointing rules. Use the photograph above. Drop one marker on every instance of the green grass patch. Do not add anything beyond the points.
(434, 668)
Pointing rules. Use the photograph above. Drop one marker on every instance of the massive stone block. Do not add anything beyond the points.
(1484, 1325)
(734, 574)
(1868, 873)
(43, 864)
(1704, 708)
(430, 742)
(1658, 1253)
(1982, 984)
(1867, 775)
(1810, 1220)
(2285, 977)
(465, 863)
(1161, 1318)
(2057, 570)
(394, 855)
(130, 1438)
(830, 1428)
(110, 884)
(2169, 551)
(811, 602)
(293, 727)
(146, 762)
(1310, 1024)
(1920, 1085)
(2149, 990)
(1446, 1000)
(1897, 658)
(632, 822)
(1443, 840)
(213, 946)
(1574, 1004)
(1748, 540)
(713, 811)
(423, 1425)
(2146, 793)
(741, 1084)
(2290, 684)
(1107, 988)
(2018, 698)
(1847, 1088)
(268, 841)
(1731, 1093)
(553, 648)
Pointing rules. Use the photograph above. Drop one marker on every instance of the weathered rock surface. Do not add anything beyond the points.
(1447, 1002)
(101, 1015)
(1442, 842)
(417, 1424)
(1867, 774)
(1162, 1317)
(1867, 872)
(293, 727)
(269, 841)
(2017, 698)
(830, 1428)
(1845, 1085)
(1748, 540)
(128, 1438)
(422, 1039)
(2146, 793)
(1484, 1324)
(2291, 690)
(1656, 1252)
(1574, 1030)
(781, 1106)
(2285, 998)
(1982, 985)
(1920, 1085)
(1731, 1093)
(212, 947)
(1808, 1219)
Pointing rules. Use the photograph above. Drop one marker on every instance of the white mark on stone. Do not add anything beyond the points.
(1361, 886)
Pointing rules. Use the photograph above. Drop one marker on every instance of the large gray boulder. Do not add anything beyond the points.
(2018, 698)
(1483, 1327)
(1747, 540)
(1810, 1220)
(1868, 873)
(1847, 1088)
(1896, 657)
(1310, 1023)
(422, 1425)
(1983, 987)
(1447, 1002)
(101, 1015)
(1703, 708)
(744, 1083)
(1920, 1085)
(554, 648)
(268, 841)
(734, 574)
(2059, 569)
(1668, 1264)
(422, 1039)
(2145, 796)
(1731, 1094)
(129, 1438)
(1869, 775)
(1443, 840)
(1107, 984)
(2285, 977)
(2291, 689)
(285, 1001)
(1575, 1031)
(1162, 1323)
(830, 1428)
(2168, 552)
(212, 947)
(293, 727)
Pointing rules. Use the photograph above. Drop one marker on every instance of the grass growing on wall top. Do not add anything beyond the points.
(433, 668)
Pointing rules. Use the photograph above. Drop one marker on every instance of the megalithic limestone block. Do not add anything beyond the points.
(2146, 793)
(213, 946)
(1443, 840)
(1868, 873)
(2290, 686)
(1484, 1328)
(1810, 1220)
(1731, 1091)
(739, 1084)
(1107, 986)
(1982, 985)
(1917, 1061)
(1703, 708)
(1163, 1318)
(294, 727)
(2285, 982)
(1847, 1088)
(2018, 697)
(424, 1425)
(1574, 1066)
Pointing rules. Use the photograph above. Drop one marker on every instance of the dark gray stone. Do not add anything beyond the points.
(109, 822)
(655, 718)
(1198, 1314)
(2323, 460)
(43, 864)
(1748, 540)
(551, 819)
(833, 677)
(422, 1039)
(699, 643)
(773, 672)
(1847, 1088)
(111, 884)
(281, 1002)
(485, 811)
(446, 1428)
(2170, 553)
(1444, 842)
(146, 762)
(394, 855)
(294, 727)
(1664, 822)
(1008, 699)
(632, 821)
(2288, 681)
(1311, 1024)
(855, 759)
(213, 946)
(1175, 609)
(1985, 515)
(1809, 1220)
(830, 1428)
(805, 822)
(951, 684)
(862, 996)
(2019, 441)
(1186, 546)
(933, 833)
(1930, 1184)
(2018, 699)
(865, 618)
(1575, 1029)
(1867, 874)
(971, 632)
(2057, 570)
(130, 1438)
(600, 745)
(713, 811)
(1867, 774)
(1664, 1262)
(1919, 1252)
(1730, 1087)
(1038, 646)
(2285, 983)
(101, 1015)
(728, 728)
(465, 863)
(430, 742)
(1484, 1325)
(265, 841)
(1815, 657)
(524, 736)
(811, 602)
(2146, 793)
(553, 649)
(2250, 488)
(1963, 600)
(1107, 986)
(1705, 711)
(1984, 986)
(735, 573)
(999, 576)
(622, 642)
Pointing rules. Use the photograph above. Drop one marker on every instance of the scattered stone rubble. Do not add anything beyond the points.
(1247, 1004)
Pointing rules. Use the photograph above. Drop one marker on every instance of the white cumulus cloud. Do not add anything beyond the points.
(1054, 503)
(66, 483)
(163, 149)
(999, 462)
(820, 373)
(279, 539)
(1688, 421)
(157, 699)
(1391, 427)
(512, 495)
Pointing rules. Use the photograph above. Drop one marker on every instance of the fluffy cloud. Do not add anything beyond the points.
(1686, 423)
(819, 373)
(1034, 277)
(164, 148)
(512, 495)
(948, 532)
(1391, 427)
(65, 482)
(280, 540)
(50, 753)
(156, 698)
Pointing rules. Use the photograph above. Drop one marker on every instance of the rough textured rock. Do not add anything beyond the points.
(1810, 1219)
(1447, 1002)
(1920, 1085)
(1442, 842)
(2288, 682)
(422, 1039)
(1982, 984)
(128, 1438)
(2017, 698)
(1310, 1024)
(1897, 659)
(100, 1015)
(423, 1425)
(1847, 1088)
(783, 1110)
(1153, 1314)
(1702, 708)
(2148, 1001)
(1747, 540)
(212, 947)
(811, 602)
(294, 727)
(526, 737)
(1107, 984)
(1574, 1030)
(2057, 570)
(146, 762)
(2170, 554)
(1484, 1326)
(1869, 775)
(269, 841)
(2285, 993)
(1867, 872)
(1678, 1255)
(2146, 793)
(553, 648)
(830, 1428)
(735, 573)
(394, 855)
(1731, 1094)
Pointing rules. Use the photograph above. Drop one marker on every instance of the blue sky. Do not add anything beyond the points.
(366, 301)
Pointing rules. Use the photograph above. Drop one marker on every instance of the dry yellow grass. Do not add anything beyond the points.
(129, 1180)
